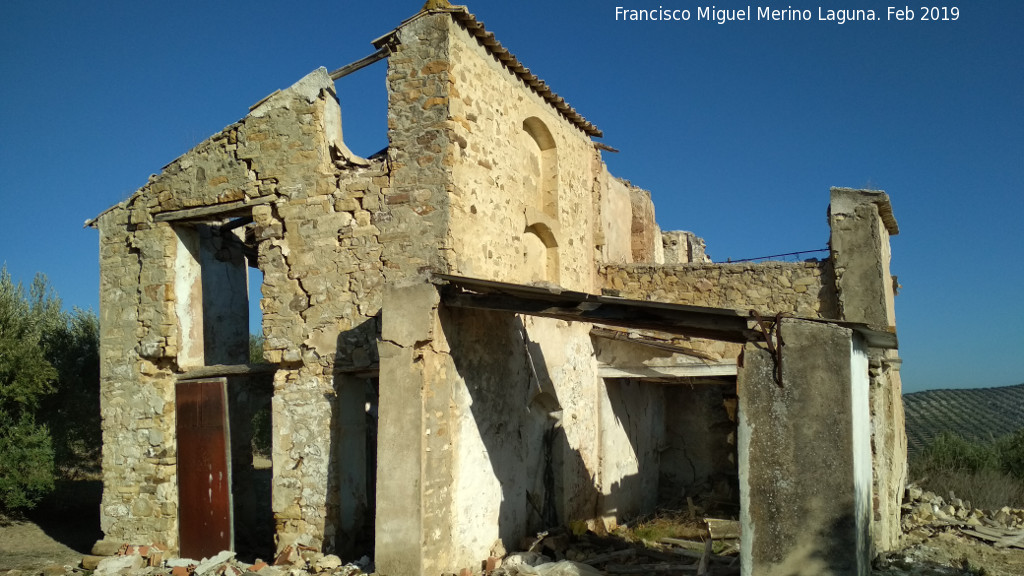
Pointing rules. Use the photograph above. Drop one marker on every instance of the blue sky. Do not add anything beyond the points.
(738, 130)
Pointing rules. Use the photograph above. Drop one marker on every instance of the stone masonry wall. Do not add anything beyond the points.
(137, 400)
(315, 206)
(801, 288)
(415, 220)
(522, 207)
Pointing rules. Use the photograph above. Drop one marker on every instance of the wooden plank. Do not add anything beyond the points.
(1014, 541)
(205, 523)
(981, 536)
(697, 325)
(648, 568)
(639, 339)
(723, 324)
(705, 558)
(205, 212)
(723, 529)
(618, 554)
(691, 544)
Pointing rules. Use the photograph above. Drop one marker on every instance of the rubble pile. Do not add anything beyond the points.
(562, 553)
(926, 513)
(111, 559)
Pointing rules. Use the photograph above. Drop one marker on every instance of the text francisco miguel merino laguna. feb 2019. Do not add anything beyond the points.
(788, 14)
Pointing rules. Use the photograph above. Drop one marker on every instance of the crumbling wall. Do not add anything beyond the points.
(644, 232)
(414, 222)
(313, 203)
(136, 385)
(682, 247)
(801, 288)
(615, 238)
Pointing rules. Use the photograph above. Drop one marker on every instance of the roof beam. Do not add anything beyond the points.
(678, 371)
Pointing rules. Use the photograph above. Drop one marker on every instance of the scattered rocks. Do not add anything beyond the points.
(925, 512)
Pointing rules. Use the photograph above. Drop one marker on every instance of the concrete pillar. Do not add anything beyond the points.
(804, 455)
(415, 469)
(862, 222)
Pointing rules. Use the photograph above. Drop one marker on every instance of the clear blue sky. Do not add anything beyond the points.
(738, 129)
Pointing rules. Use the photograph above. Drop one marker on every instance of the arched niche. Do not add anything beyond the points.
(541, 253)
(547, 155)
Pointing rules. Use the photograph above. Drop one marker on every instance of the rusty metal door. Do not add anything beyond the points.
(204, 471)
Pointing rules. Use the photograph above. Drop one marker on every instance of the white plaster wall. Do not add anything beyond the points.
(501, 411)
(862, 473)
(632, 427)
(188, 297)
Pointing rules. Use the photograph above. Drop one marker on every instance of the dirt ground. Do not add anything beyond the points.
(59, 531)
(65, 526)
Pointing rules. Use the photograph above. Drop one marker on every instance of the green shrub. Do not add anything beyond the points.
(26, 465)
(988, 474)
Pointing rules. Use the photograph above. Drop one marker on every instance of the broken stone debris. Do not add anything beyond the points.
(128, 560)
(926, 513)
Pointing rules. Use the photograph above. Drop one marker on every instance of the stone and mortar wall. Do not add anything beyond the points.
(414, 222)
(483, 184)
(321, 258)
(799, 289)
(137, 394)
(521, 167)
(507, 182)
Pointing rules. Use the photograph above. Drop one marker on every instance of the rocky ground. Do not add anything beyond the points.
(944, 536)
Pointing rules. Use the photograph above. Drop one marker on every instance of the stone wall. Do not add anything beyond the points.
(137, 394)
(314, 206)
(801, 288)
(415, 219)
(522, 208)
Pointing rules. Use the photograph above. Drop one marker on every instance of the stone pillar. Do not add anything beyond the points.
(862, 222)
(804, 455)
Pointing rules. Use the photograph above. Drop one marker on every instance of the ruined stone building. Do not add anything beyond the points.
(476, 334)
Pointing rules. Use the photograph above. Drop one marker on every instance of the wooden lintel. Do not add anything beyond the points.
(218, 370)
(371, 371)
(239, 207)
(660, 372)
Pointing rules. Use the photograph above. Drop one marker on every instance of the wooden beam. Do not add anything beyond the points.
(237, 208)
(361, 63)
(683, 371)
(722, 324)
(218, 370)
(624, 314)
(642, 340)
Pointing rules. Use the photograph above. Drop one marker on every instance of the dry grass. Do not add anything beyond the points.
(985, 489)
